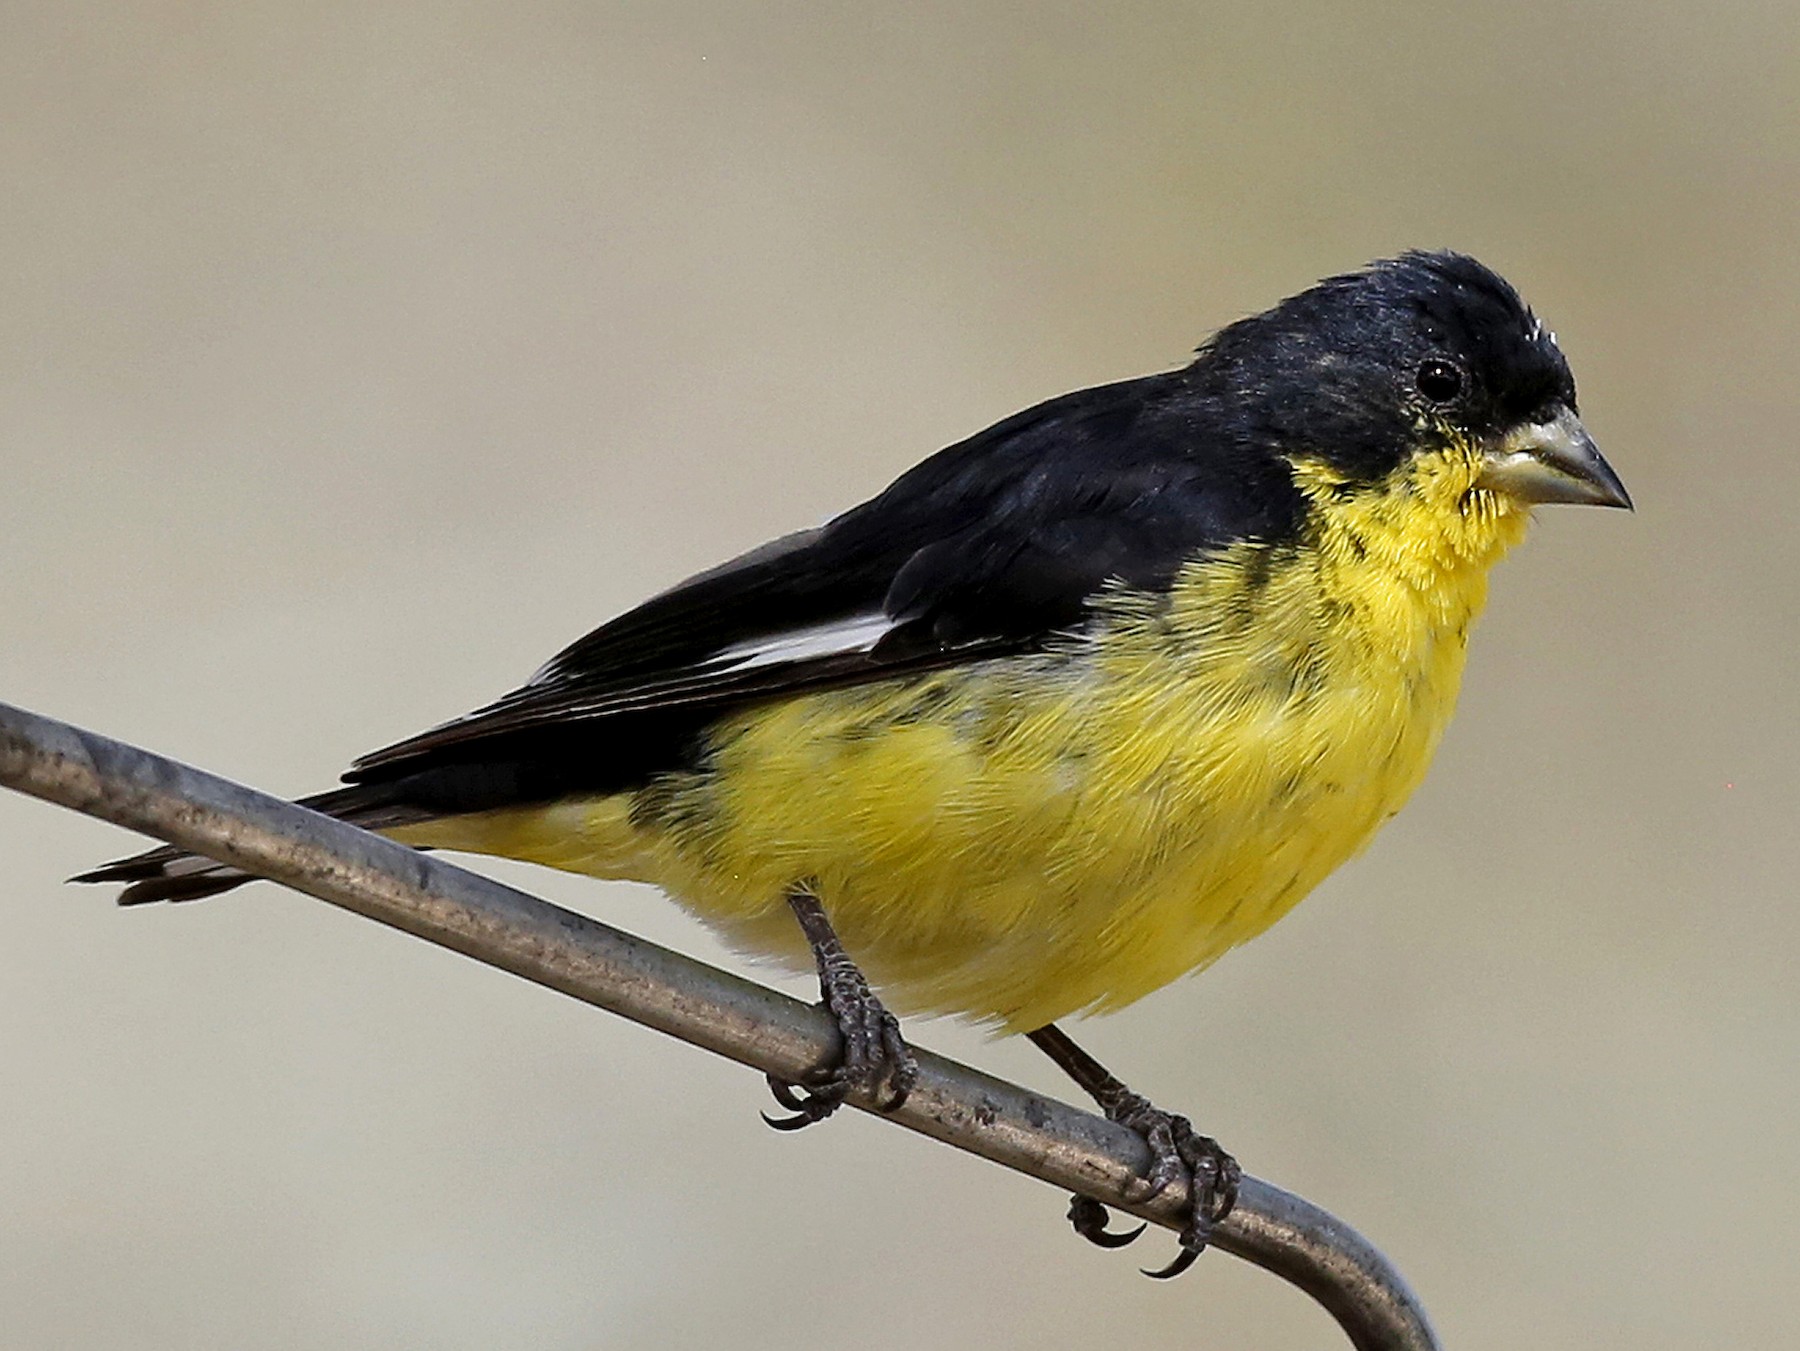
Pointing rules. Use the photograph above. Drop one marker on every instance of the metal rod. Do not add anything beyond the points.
(755, 1026)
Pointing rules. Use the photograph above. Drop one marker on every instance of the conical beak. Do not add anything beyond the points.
(1553, 461)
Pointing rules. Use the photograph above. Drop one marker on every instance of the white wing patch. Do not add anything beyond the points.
(840, 637)
(837, 638)
(553, 671)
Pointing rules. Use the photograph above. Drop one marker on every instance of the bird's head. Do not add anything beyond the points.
(1423, 358)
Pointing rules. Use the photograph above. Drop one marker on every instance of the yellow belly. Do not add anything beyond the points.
(1032, 837)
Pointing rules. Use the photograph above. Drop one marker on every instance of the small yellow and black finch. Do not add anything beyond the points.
(1069, 710)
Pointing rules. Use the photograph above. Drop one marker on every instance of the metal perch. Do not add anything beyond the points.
(496, 924)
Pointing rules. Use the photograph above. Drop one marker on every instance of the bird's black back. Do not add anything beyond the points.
(992, 546)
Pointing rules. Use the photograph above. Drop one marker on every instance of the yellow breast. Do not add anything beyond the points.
(1027, 838)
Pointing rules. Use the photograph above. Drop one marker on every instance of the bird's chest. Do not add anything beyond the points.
(1264, 745)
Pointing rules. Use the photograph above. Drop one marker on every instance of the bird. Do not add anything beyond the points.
(1069, 710)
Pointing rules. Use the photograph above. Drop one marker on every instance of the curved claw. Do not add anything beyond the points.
(1183, 1260)
(1222, 1195)
(811, 1106)
(1213, 1177)
(902, 1068)
(798, 1121)
(1089, 1218)
(785, 1093)
(900, 1087)
(1142, 1191)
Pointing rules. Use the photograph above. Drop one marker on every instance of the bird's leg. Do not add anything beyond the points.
(872, 1051)
(1179, 1154)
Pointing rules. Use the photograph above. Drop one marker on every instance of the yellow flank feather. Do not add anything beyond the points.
(1029, 837)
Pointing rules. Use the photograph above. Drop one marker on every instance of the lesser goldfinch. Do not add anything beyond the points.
(1069, 710)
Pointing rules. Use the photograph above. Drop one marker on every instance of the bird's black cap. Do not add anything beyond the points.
(1367, 367)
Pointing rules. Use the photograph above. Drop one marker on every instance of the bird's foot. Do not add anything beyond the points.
(1179, 1153)
(872, 1054)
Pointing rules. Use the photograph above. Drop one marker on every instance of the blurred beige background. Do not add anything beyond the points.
(354, 358)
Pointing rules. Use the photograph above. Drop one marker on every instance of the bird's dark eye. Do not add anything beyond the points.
(1440, 380)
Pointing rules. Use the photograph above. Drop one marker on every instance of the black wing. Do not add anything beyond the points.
(989, 547)
(992, 546)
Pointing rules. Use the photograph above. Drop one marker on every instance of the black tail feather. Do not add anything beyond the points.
(171, 874)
